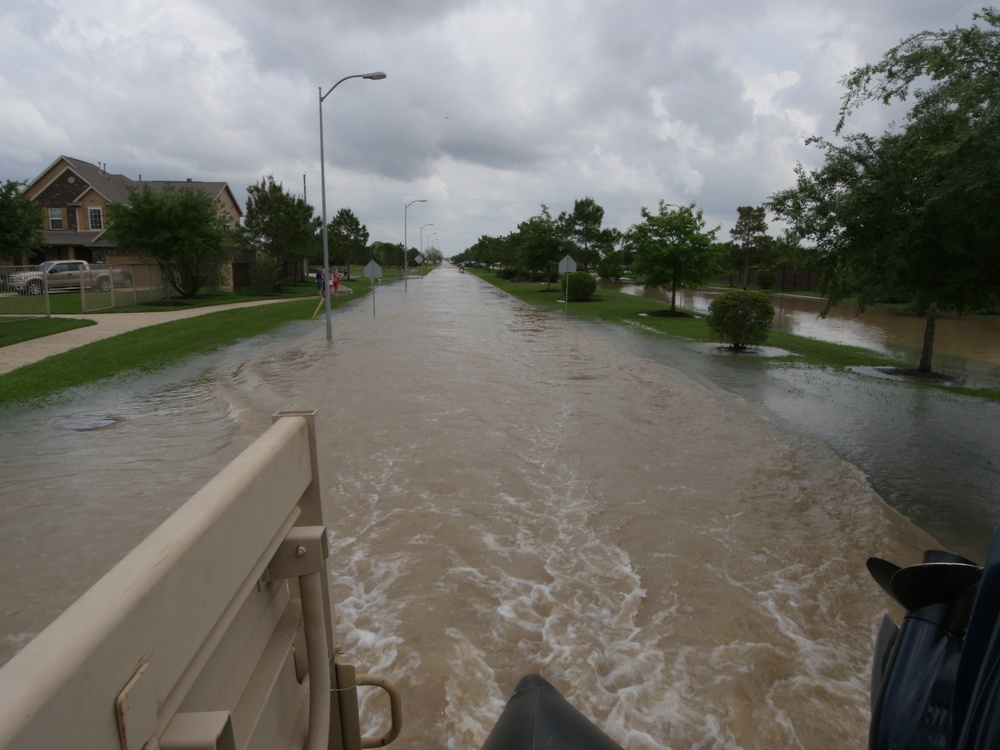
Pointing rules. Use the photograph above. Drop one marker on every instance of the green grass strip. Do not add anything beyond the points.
(154, 348)
(16, 331)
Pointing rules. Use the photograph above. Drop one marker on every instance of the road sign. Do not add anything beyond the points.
(372, 271)
(567, 265)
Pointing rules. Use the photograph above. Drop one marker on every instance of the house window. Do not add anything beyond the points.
(55, 218)
(96, 218)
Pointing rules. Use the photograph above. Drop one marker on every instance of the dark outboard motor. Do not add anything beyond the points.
(936, 678)
(537, 716)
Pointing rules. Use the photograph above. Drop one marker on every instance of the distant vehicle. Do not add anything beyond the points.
(59, 275)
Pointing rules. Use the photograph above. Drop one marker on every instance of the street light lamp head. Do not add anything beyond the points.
(378, 75)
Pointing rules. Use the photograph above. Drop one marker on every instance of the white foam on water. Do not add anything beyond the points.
(509, 494)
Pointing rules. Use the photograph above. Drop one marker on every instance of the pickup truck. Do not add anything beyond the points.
(68, 274)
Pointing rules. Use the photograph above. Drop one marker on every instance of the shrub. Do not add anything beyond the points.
(264, 274)
(510, 273)
(766, 278)
(544, 276)
(741, 317)
(611, 267)
(581, 286)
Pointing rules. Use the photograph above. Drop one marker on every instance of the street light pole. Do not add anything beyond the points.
(376, 76)
(406, 261)
(429, 235)
(422, 236)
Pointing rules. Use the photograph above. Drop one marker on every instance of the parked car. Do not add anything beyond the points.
(68, 274)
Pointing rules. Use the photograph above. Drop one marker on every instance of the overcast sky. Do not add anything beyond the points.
(490, 107)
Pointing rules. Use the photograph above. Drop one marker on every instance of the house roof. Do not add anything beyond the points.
(67, 238)
(214, 189)
(114, 187)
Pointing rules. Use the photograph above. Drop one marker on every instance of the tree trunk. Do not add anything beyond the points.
(673, 297)
(928, 350)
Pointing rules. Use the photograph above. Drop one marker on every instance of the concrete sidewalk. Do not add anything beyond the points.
(108, 324)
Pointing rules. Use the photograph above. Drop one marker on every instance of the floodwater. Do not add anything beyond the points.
(512, 491)
(965, 347)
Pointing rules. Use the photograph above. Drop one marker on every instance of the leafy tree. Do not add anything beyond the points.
(490, 251)
(386, 253)
(347, 239)
(264, 274)
(277, 225)
(185, 232)
(766, 278)
(741, 317)
(611, 266)
(672, 249)
(582, 228)
(540, 245)
(748, 235)
(912, 214)
(20, 223)
(787, 252)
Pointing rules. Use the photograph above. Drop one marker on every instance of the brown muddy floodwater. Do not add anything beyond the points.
(966, 347)
(508, 492)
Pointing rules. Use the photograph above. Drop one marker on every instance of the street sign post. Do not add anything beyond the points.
(373, 271)
(567, 265)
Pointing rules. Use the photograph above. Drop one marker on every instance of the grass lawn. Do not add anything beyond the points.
(16, 331)
(156, 347)
(627, 310)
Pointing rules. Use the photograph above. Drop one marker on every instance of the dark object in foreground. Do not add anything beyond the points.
(537, 716)
(936, 677)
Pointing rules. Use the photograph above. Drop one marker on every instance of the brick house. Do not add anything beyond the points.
(74, 196)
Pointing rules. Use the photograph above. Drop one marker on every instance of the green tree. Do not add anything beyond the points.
(911, 214)
(741, 317)
(766, 278)
(540, 245)
(347, 238)
(588, 241)
(386, 253)
(748, 235)
(672, 249)
(611, 266)
(185, 232)
(789, 254)
(277, 225)
(264, 274)
(20, 223)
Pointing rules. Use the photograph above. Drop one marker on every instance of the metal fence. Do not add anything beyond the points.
(134, 284)
(24, 290)
(15, 305)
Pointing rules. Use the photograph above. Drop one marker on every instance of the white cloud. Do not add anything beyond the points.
(490, 108)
